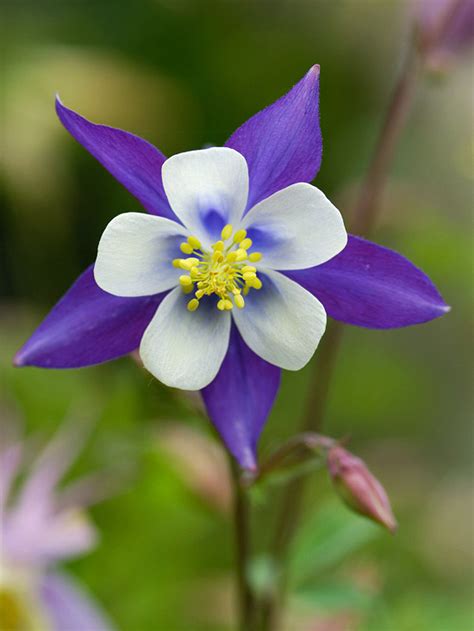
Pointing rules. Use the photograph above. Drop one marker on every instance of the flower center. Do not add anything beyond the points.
(226, 270)
(16, 612)
(11, 611)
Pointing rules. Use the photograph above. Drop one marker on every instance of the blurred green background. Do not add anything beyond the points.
(183, 73)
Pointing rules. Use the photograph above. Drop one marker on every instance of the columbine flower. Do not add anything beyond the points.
(359, 489)
(230, 276)
(39, 528)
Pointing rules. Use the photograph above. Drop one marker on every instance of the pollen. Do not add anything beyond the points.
(193, 304)
(240, 236)
(225, 270)
(194, 243)
(226, 232)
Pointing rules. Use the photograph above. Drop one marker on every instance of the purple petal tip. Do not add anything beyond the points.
(315, 70)
(18, 360)
(250, 467)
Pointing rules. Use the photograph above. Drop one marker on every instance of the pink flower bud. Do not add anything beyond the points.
(359, 489)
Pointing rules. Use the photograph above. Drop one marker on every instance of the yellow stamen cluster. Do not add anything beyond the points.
(225, 271)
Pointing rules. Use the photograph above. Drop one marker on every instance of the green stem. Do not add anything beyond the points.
(241, 514)
(364, 217)
(368, 204)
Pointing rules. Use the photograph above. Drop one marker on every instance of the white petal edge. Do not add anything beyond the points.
(184, 349)
(214, 179)
(135, 255)
(282, 322)
(302, 227)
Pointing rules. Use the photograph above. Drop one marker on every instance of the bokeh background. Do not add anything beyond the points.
(183, 73)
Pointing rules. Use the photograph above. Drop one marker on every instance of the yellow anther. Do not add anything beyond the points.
(188, 263)
(193, 304)
(239, 301)
(226, 231)
(240, 235)
(249, 276)
(194, 242)
(221, 271)
(185, 281)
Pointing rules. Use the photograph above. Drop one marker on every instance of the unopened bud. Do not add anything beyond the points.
(359, 489)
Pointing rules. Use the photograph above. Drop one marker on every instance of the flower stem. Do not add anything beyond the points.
(368, 204)
(364, 218)
(245, 599)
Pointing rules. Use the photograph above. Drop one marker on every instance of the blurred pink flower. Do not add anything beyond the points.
(446, 30)
(41, 526)
(360, 490)
(200, 462)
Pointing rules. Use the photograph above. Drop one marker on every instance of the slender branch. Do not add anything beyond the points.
(245, 597)
(368, 205)
(363, 220)
(293, 451)
(292, 502)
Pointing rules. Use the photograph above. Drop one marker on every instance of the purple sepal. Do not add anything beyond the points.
(69, 607)
(282, 144)
(371, 286)
(240, 398)
(132, 161)
(88, 326)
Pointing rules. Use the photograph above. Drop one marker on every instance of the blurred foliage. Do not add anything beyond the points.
(183, 73)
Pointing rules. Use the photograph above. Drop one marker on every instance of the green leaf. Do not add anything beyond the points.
(326, 539)
(334, 596)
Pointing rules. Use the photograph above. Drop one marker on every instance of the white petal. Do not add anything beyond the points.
(207, 189)
(296, 228)
(135, 255)
(282, 322)
(185, 349)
